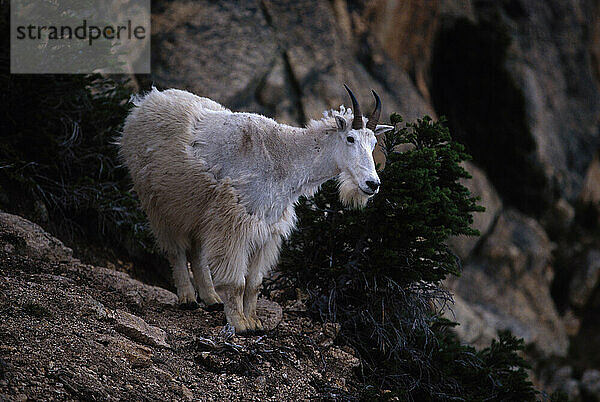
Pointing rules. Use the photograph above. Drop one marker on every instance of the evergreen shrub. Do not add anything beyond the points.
(378, 273)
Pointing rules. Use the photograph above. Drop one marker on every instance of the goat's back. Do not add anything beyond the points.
(174, 189)
(200, 169)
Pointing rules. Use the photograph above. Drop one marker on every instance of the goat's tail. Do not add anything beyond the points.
(138, 99)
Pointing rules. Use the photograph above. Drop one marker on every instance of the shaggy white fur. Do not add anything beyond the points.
(219, 188)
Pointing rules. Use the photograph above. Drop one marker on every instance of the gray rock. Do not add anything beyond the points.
(480, 186)
(572, 322)
(561, 375)
(585, 280)
(277, 95)
(472, 327)
(406, 30)
(96, 309)
(139, 330)
(139, 356)
(520, 244)
(19, 235)
(571, 388)
(137, 293)
(560, 216)
(314, 49)
(550, 61)
(590, 192)
(408, 100)
(216, 49)
(590, 384)
(507, 286)
(320, 59)
(562, 380)
(457, 9)
(269, 312)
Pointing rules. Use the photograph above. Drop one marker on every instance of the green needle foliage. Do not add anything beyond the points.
(377, 272)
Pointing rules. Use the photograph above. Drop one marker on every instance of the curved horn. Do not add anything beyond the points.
(357, 122)
(374, 118)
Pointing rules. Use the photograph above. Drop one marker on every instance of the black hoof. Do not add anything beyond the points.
(251, 332)
(258, 332)
(214, 307)
(189, 306)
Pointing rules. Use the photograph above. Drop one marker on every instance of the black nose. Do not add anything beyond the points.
(373, 185)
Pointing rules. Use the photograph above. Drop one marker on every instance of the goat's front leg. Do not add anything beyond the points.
(262, 261)
(232, 296)
(181, 278)
(228, 274)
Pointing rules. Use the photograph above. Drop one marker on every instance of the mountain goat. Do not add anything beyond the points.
(219, 187)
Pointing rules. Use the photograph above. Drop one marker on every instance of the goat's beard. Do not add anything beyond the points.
(350, 194)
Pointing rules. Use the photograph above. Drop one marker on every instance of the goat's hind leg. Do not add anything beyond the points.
(203, 279)
(181, 278)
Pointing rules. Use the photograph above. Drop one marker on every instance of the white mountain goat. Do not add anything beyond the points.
(219, 187)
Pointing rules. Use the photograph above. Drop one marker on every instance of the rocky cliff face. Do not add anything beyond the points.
(79, 332)
(285, 60)
(518, 82)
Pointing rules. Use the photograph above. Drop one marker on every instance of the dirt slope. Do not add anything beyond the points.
(71, 331)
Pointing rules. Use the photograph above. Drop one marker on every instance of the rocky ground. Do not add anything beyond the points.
(72, 331)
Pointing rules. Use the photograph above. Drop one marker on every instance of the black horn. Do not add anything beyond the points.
(374, 117)
(357, 122)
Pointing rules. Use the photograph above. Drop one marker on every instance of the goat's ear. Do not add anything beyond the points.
(340, 123)
(383, 128)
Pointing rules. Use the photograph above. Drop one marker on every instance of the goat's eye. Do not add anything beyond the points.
(350, 140)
